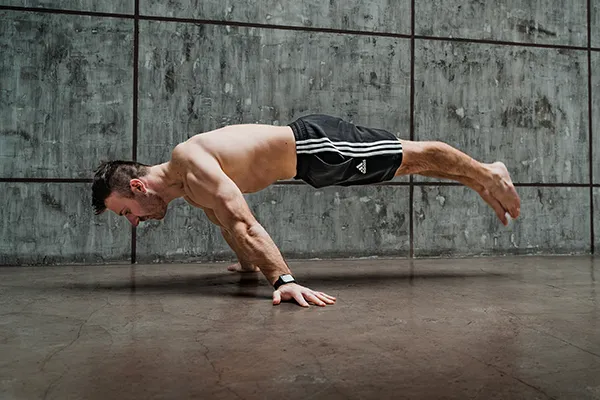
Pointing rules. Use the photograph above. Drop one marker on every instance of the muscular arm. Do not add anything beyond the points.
(210, 187)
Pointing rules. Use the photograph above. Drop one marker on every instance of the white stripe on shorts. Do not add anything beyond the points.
(367, 149)
(307, 142)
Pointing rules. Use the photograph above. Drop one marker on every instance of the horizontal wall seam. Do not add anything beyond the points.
(45, 180)
(293, 28)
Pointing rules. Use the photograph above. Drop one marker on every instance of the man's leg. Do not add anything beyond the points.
(440, 160)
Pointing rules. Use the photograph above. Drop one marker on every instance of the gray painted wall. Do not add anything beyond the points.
(67, 102)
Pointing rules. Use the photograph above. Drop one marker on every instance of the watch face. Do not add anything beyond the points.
(287, 278)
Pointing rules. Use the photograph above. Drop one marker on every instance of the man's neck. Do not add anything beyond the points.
(162, 180)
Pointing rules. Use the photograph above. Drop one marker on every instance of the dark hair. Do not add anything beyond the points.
(114, 176)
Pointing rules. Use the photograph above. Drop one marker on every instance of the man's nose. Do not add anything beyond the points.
(133, 220)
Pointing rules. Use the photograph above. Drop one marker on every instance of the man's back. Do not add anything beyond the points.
(253, 156)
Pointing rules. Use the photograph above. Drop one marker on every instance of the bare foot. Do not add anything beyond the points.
(237, 267)
(502, 192)
(495, 204)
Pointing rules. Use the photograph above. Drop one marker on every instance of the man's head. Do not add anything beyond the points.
(120, 186)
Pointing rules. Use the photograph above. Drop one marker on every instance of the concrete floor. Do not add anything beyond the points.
(505, 328)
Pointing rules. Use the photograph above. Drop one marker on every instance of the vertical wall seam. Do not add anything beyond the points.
(590, 121)
(412, 127)
(136, 42)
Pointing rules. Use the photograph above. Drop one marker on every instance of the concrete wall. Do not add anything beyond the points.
(507, 80)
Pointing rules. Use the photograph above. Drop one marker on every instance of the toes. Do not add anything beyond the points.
(516, 208)
(514, 213)
(502, 218)
(510, 200)
(496, 206)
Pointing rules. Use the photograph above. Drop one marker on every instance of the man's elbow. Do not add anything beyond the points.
(248, 231)
(256, 230)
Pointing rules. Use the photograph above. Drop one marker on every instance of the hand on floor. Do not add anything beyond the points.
(245, 268)
(302, 295)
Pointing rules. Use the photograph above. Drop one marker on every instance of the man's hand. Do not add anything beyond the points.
(301, 294)
(243, 267)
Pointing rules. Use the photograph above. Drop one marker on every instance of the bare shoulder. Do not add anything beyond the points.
(190, 156)
(200, 171)
(184, 150)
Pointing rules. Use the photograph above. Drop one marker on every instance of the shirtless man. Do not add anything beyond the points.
(212, 170)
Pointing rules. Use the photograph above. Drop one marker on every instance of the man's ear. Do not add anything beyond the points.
(137, 186)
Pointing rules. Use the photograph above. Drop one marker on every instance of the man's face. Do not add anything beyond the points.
(142, 206)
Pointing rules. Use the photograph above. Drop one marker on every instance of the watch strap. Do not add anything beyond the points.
(283, 279)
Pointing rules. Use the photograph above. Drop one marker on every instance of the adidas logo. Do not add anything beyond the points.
(362, 167)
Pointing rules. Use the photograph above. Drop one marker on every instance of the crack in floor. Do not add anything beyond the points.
(54, 353)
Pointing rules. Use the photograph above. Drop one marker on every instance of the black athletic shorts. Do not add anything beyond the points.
(331, 151)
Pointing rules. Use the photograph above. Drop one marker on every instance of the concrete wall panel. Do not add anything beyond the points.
(49, 223)
(539, 21)
(114, 6)
(524, 106)
(185, 234)
(374, 15)
(66, 93)
(596, 117)
(453, 220)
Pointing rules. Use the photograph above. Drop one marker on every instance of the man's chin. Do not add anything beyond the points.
(158, 216)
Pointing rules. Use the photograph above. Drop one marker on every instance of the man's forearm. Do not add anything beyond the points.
(257, 247)
(234, 246)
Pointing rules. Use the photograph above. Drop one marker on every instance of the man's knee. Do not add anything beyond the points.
(414, 157)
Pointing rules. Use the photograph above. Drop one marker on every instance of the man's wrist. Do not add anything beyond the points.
(283, 280)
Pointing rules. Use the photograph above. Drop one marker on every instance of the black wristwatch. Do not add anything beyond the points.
(282, 280)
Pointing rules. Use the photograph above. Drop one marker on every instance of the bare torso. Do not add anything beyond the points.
(253, 156)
